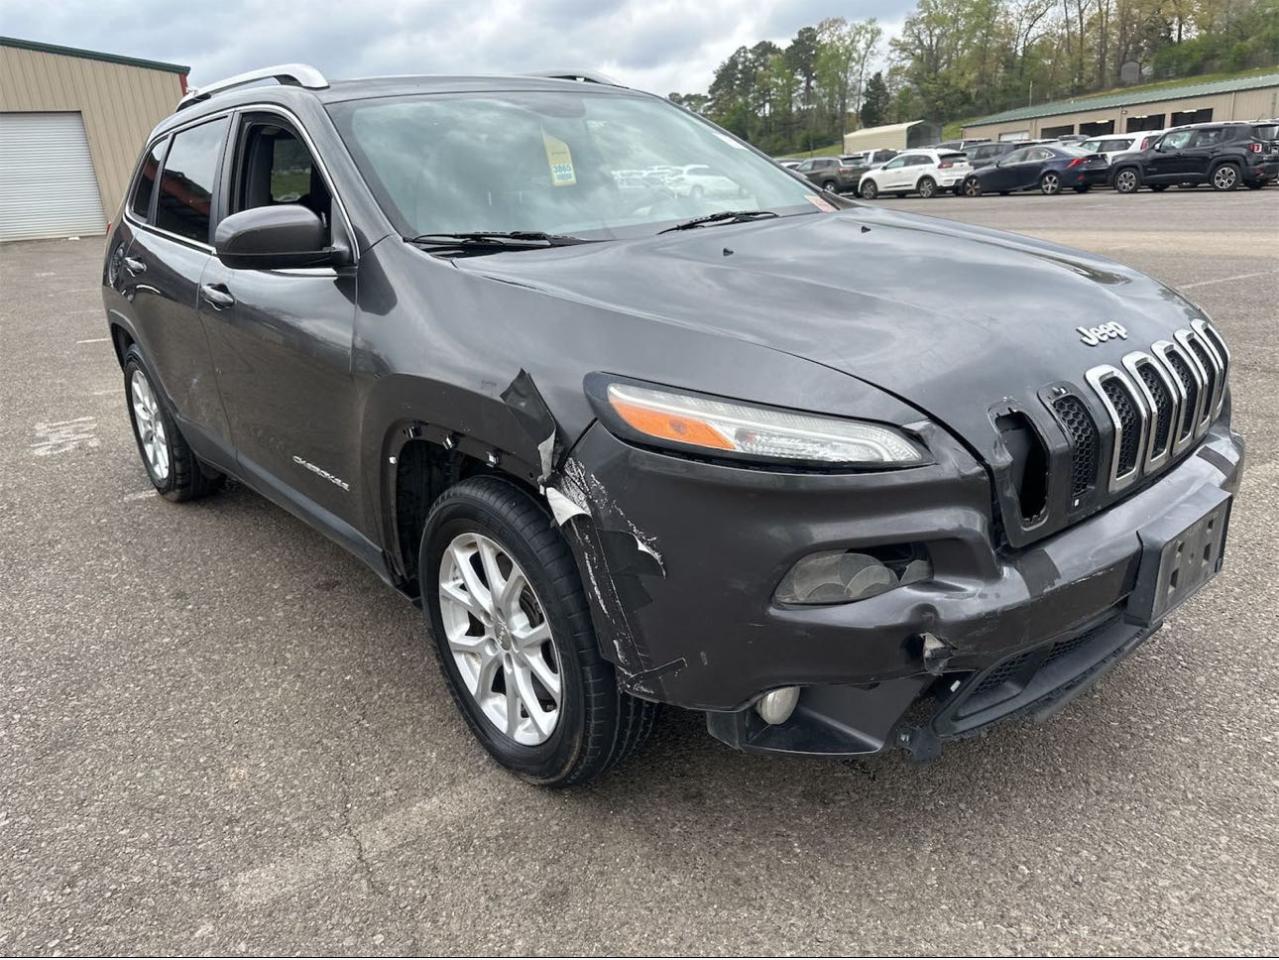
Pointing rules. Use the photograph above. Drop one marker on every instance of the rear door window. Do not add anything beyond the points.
(185, 199)
(144, 187)
(1208, 138)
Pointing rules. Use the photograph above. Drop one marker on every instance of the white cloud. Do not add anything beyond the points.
(660, 45)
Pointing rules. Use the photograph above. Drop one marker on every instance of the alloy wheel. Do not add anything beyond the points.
(972, 187)
(150, 426)
(869, 190)
(498, 634)
(1126, 182)
(1225, 178)
(1050, 184)
(927, 188)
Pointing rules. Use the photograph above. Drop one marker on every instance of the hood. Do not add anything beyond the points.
(950, 318)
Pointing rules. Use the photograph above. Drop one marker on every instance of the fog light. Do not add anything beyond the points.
(776, 706)
(842, 576)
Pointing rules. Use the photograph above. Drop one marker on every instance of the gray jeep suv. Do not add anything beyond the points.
(837, 477)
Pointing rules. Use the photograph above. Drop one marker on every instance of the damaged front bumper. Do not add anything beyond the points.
(681, 559)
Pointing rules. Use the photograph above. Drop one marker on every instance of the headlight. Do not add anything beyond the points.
(719, 427)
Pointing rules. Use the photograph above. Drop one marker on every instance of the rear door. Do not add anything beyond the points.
(161, 272)
(282, 339)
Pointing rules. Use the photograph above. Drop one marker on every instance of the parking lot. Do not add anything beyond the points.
(222, 734)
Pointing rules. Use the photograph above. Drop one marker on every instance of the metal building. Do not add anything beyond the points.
(1135, 109)
(893, 136)
(71, 125)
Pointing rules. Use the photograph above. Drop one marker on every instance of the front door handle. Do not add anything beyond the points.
(217, 295)
(134, 265)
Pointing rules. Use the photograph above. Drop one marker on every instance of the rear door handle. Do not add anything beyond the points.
(218, 296)
(134, 265)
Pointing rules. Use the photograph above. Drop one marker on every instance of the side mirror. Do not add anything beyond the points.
(275, 238)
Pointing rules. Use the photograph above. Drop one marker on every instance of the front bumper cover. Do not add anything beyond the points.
(681, 559)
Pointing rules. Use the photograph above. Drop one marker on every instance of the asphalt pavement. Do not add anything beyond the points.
(220, 734)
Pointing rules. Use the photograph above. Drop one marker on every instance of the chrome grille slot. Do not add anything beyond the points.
(1162, 401)
(1196, 356)
(1220, 355)
(1128, 416)
(1191, 390)
(1085, 444)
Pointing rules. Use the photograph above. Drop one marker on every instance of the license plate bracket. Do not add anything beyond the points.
(1180, 552)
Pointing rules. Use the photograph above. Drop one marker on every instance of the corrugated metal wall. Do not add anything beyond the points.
(120, 105)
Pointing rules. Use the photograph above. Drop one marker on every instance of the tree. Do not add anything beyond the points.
(875, 101)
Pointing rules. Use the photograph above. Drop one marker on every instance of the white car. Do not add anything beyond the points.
(697, 180)
(925, 172)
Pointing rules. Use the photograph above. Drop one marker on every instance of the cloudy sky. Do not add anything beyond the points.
(657, 45)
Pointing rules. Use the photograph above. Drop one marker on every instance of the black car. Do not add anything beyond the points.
(1046, 167)
(837, 477)
(1222, 154)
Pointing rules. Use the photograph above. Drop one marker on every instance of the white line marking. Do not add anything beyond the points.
(140, 495)
(63, 436)
(104, 393)
(95, 340)
(1242, 276)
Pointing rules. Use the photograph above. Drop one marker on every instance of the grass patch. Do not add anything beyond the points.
(830, 150)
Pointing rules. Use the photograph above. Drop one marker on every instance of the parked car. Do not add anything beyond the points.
(1046, 167)
(838, 480)
(984, 154)
(698, 180)
(788, 164)
(870, 158)
(961, 145)
(1071, 138)
(829, 173)
(1111, 147)
(925, 172)
(1222, 154)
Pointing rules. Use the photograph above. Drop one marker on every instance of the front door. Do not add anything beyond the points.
(281, 339)
(1166, 162)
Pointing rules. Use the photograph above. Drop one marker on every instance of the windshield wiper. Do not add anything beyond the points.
(724, 216)
(497, 240)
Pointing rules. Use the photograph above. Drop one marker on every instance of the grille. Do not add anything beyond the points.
(1003, 672)
(1130, 422)
(1210, 371)
(1164, 407)
(1191, 385)
(1084, 443)
(1213, 337)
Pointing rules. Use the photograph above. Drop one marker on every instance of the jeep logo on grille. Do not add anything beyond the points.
(1102, 332)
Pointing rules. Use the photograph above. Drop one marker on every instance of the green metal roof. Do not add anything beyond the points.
(92, 55)
(1131, 96)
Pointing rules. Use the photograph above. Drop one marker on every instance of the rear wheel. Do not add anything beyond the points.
(1225, 177)
(1050, 184)
(1127, 181)
(829, 186)
(927, 187)
(173, 469)
(972, 187)
(514, 638)
(869, 190)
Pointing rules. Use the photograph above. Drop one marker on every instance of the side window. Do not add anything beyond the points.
(144, 187)
(1175, 141)
(186, 185)
(274, 166)
(805, 166)
(1206, 138)
(894, 164)
(1017, 156)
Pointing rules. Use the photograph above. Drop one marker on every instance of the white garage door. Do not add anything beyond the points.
(47, 186)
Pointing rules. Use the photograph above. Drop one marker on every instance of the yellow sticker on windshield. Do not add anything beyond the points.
(560, 160)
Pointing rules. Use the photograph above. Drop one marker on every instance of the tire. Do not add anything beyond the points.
(972, 187)
(596, 725)
(1225, 177)
(829, 186)
(1127, 180)
(927, 187)
(1050, 184)
(1159, 187)
(869, 190)
(171, 467)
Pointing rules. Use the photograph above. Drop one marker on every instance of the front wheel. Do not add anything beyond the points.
(1225, 177)
(829, 186)
(972, 187)
(869, 190)
(927, 187)
(1050, 184)
(513, 634)
(173, 469)
(1127, 181)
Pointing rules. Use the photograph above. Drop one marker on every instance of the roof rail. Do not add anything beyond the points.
(580, 75)
(286, 74)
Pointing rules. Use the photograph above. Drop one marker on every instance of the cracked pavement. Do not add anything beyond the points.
(220, 734)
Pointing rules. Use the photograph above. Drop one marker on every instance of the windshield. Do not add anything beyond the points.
(573, 163)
